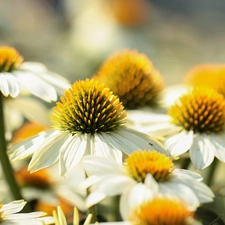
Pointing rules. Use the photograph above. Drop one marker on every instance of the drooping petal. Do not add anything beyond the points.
(179, 143)
(13, 207)
(103, 147)
(36, 86)
(130, 140)
(218, 145)
(201, 152)
(72, 151)
(9, 85)
(186, 174)
(28, 147)
(97, 166)
(180, 190)
(47, 153)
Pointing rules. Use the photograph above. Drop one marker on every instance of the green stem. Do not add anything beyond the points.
(6, 166)
(212, 169)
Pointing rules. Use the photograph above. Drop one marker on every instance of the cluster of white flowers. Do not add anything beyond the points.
(127, 153)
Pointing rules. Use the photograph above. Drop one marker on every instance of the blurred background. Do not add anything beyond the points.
(73, 37)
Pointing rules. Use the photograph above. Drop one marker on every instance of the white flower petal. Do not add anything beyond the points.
(151, 183)
(36, 86)
(219, 145)
(9, 85)
(112, 184)
(179, 143)
(186, 174)
(201, 190)
(32, 110)
(201, 152)
(28, 146)
(130, 140)
(103, 146)
(47, 153)
(94, 198)
(180, 190)
(13, 207)
(97, 166)
(72, 151)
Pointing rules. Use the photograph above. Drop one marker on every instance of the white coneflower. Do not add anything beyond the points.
(34, 78)
(88, 120)
(145, 174)
(195, 122)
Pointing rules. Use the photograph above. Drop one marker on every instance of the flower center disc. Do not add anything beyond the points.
(161, 211)
(88, 107)
(10, 59)
(132, 77)
(202, 110)
(142, 162)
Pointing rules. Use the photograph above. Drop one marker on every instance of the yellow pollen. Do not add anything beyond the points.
(132, 77)
(207, 75)
(40, 179)
(10, 59)
(161, 211)
(88, 107)
(143, 162)
(202, 110)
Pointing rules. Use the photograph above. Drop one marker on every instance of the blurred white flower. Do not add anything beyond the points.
(35, 78)
(9, 215)
(145, 174)
(88, 120)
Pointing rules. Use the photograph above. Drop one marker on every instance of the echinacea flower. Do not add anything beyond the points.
(163, 210)
(9, 215)
(31, 77)
(144, 175)
(195, 122)
(88, 120)
(207, 75)
(132, 77)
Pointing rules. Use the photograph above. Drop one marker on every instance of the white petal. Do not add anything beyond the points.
(151, 183)
(28, 146)
(219, 145)
(130, 140)
(13, 207)
(179, 143)
(32, 110)
(97, 166)
(186, 174)
(180, 190)
(201, 152)
(94, 198)
(36, 85)
(201, 190)
(72, 151)
(103, 147)
(112, 184)
(9, 85)
(47, 153)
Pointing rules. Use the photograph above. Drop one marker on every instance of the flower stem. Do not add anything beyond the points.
(6, 166)
(212, 169)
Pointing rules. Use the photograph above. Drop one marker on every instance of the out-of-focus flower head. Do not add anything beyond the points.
(163, 210)
(130, 12)
(9, 215)
(88, 120)
(17, 76)
(132, 77)
(207, 75)
(146, 174)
